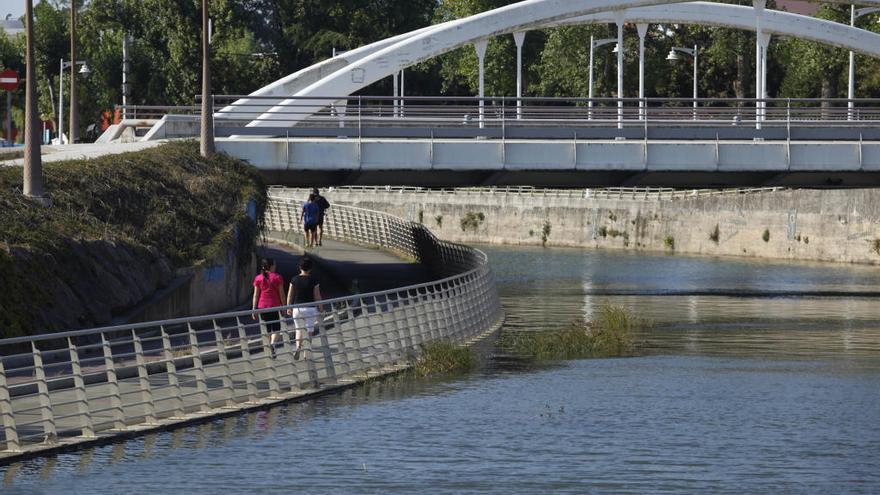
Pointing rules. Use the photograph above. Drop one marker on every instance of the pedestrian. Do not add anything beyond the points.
(304, 289)
(323, 205)
(268, 293)
(309, 219)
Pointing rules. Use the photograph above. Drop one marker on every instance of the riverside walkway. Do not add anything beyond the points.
(65, 391)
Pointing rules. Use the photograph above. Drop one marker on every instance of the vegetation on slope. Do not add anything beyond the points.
(118, 227)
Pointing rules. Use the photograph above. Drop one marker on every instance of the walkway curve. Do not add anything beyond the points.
(517, 17)
(64, 391)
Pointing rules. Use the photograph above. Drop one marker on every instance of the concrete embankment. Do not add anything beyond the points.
(810, 225)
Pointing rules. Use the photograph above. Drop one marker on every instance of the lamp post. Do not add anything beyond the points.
(84, 70)
(33, 165)
(693, 52)
(207, 124)
(593, 45)
(850, 94)
(74, 115)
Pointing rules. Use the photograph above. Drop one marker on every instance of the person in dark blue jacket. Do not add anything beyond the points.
(309, 218)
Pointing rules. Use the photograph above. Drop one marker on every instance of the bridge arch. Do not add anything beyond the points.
(376, 61)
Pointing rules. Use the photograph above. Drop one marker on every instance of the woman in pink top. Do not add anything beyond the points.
(268, 293)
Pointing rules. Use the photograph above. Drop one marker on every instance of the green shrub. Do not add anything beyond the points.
(439, 220)
(875, 246)
(472, 221)
(602, 231)
(669, 242)
(444, 357)
(610, 334)
(766, 235)
(715, 234)
(545, 232)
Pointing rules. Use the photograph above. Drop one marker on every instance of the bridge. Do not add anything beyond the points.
(308, 128)
(68, 390)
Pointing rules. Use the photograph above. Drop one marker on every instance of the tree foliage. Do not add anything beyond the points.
(258, 41)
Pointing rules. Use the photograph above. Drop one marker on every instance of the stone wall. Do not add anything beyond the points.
(817, 225)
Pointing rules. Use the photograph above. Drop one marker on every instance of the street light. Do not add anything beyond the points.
(84, 70)
(693, 52)
(593, 45)
(853, 15)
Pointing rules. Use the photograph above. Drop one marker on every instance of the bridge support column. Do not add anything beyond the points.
(643, 30)
(396, 90)
(619, 16)
(480, 47)
(765, 42)
(759, 14)
(519, 37)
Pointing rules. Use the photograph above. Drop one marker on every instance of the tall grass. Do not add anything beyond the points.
(610, 334)
(444, 357)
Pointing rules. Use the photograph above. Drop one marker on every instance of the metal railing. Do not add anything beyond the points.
(547, 118)
(534, 118)
(629, 193)
(73, 386)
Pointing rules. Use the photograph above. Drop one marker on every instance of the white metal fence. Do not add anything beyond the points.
(66, 388)
(628, 193)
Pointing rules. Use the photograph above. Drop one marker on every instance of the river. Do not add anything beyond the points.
(752, 376)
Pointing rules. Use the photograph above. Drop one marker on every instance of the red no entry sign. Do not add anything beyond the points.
(9, 80)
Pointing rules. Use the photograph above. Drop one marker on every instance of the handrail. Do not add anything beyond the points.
(77, 383)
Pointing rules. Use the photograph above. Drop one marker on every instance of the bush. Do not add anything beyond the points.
(669, 242)
(444, 357)
(472, 221)
(545, 233)
(766, 235)
(715, 235)
(611, 334)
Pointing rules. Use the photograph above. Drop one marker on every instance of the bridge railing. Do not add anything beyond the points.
(512, 118)
(628, 193)
(67, 387)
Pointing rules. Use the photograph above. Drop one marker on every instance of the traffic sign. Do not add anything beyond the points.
(9, 80)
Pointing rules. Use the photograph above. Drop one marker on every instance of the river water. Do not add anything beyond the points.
(752, 377)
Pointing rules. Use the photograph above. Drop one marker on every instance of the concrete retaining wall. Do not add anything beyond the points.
(831, 225)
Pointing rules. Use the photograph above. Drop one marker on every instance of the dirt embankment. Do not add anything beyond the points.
(118, 229)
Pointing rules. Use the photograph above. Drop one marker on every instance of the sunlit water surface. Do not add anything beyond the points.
(753, 377)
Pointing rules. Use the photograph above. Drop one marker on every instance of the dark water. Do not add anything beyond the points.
(754, 377)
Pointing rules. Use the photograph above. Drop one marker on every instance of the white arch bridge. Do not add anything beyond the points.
(306, 128)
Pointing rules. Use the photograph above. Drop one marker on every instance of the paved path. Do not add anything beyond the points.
(82, 151)
(176, 397)
(350, 268)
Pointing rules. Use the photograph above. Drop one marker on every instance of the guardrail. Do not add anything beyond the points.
(629, 193)
(74, 387)
(543, 118)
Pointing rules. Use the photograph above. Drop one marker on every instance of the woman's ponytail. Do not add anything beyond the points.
(266, 265)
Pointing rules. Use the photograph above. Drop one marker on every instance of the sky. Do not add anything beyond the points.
(14, 7)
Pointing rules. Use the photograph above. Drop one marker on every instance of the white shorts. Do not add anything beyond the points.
(305, 318)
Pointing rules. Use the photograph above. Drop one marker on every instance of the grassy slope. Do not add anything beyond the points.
(166, 206)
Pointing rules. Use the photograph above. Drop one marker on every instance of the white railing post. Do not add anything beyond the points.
(250, 379)
(46, 412)
(268, 352)
(144, 381)
(82, 402)
(171, 371)
(198, 369)
(9, 429)
(113, 385)
(223, 360)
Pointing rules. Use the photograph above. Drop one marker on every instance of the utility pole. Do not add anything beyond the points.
(33, 166)
(207, 131)
(74, 119)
